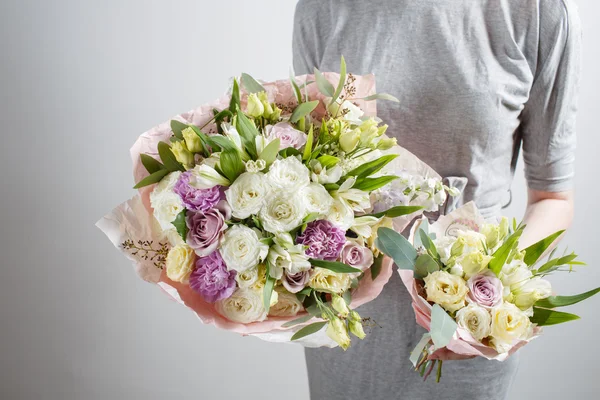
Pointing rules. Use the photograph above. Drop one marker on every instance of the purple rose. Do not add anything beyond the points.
(357, 256)
(205, 230)
(211, 279)
(295, 282)
(324, 240)
(288, 136)
(196, 199)
(485, 290)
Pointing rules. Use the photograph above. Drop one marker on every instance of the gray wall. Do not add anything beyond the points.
(79, 80)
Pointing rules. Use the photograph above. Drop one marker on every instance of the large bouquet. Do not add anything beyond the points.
(260, 211)
(473, 289)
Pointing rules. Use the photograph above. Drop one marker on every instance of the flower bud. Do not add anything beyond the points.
(386, 143)
(192, 141)
(357, 329)
(336, 330)
(339, 305)
(349, 140)
(182, 154)
(255, 107)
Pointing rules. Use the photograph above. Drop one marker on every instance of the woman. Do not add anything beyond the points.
(476, 80)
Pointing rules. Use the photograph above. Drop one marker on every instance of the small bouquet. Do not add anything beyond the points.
(473, 289)
(260, 211)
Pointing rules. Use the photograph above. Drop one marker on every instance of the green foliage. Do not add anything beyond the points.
(381, 96)
(536, 250)
(151, 164)
(376, 267)
(562, 301)
(268, 290)
(297, 321)
(231, 164)
(545, 317)
(342, 81)
(501, 255)
(248, 133)
(334, 266)
(328, 161)
(397, 211)
(251, 84)
(309, 145)
(177, 127)
(372, 167)
(370, 184)
(234, 104)
(303, 110)
(180, 225)
(309, 330)
(425, 265)
(394, 245)
(269, 154)
(152, 178)
(442, 327)
(323, 84)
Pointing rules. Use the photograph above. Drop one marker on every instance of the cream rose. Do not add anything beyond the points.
(324, 279)
(476, 320)
(242, 249)
(246, 196)
(247, 278)
(509, 324)
(287, 305)
(288, 174)
(165, 202)
(340, 214)
(244, 306)
(180, 263)
(316, 198)
(282, 212)
(449, 291)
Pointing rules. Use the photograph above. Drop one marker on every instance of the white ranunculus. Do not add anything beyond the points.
(534, 289)
(242, 249)
(243, 306)
(204, 176)
(509, 324)
(165, 202)
(476, 320)
(447, 290)
(316, 198)
(287, 305)
(341, 214)
(282, 212)
(351, 112)
(288, 174)
(247, 195)
(443, 246)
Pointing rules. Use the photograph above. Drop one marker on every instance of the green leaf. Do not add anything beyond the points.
(328, 161)
(370, 184)
(334, 266)
(504, 251)
(309, 330)
(376, 267)
(251, 84)
(221, 141)
(296, 88)
(535, 251)
(303, 110)
(268, 290)
(372, 167)
(394, 245)
(562, 301)
(309, 144)
(168, 158)
(424, 226)
(545, 317)
(381, 96)
(310, 218)
(203, 139)
(323, 84)
(152, 178)
(554, 263)
(151, 164)
(248, 133)
(428, 244)
(231, 164)
(177, 127)
(397, 211)
(269, 154)
(347, 296)
(234, 104)
(180, 225)
(425, 265)
(442, 327)
(418, 350)
(301, 320)
(342, 81)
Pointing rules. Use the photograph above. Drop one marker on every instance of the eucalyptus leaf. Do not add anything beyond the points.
(425, 265)
(381, 96)
(372, 167)
(428, 244)
(370, 184)
(562, 301)
(180, 225)
(151, 164)
(297, 321)
(223, 142)
(323, 84)
(302, 110)
(536, 250)
(268, 290)
(342, 81)
(269, 154)
(397, 211)
(152, 179)
(545, 317)
(168, 158)
(251, 84)
(443, 327)
(177, 127)
(424, 226)
(334, 266)
(309, 330)
(394, 245)
(376, 267)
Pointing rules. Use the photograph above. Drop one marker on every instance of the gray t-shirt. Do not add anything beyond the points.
(475, 79)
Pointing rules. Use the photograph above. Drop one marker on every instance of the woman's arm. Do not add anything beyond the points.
(547, 213)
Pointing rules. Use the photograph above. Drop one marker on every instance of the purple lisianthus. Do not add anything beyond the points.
(205, 230)
(211, 279)
(357, 256)
(295, 282)
(324, 240)
(196, 199)
(485, 290)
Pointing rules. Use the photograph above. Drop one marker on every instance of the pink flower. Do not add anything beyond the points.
(485, 290)
(288, 136)
(357, 256)
(295, 282)
(205, 231)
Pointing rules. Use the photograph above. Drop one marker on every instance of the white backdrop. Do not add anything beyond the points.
(79, 80)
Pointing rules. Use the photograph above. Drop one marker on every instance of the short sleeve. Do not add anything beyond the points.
(309, 37)
(548, 118)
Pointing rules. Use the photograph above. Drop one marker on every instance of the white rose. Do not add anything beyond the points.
(242, 249)
(449, 291)
(532, 290)
(247, 278)
(288, 174)
(443, 246)
(165, 202)
(287, 305)
(351, 112)
(509, 324)
(476, 320)
(326, 280)
(205, 177)
(244, 306)
(283, 212)
(341, 214)
(316, 198)
(246, 196)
